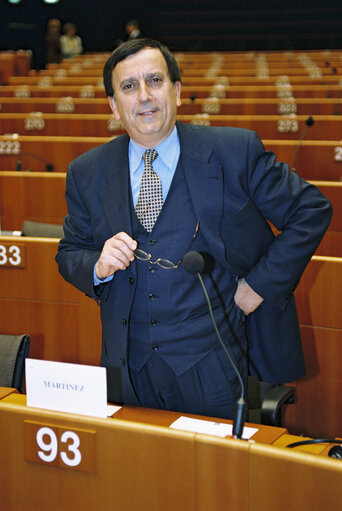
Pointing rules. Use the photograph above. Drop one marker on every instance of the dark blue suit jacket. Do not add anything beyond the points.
(234, 185)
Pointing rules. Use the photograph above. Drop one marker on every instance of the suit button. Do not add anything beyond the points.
(151, 297)
(152, 242)
(131, 280)
(124, 322)
(122, 362)
(153, 322)
(155, 347)
(152, 269)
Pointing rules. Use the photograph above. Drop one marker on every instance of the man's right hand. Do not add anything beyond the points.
(117, 254)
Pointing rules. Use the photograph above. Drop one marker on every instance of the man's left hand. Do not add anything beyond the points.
(246, 298)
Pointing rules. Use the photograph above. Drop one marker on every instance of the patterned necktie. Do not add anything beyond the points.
(150, 201)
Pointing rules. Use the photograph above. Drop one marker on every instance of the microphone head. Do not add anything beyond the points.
(50, 167)
(193, 262)
(310, 121)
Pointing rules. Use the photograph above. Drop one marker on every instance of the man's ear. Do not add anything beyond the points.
(177, 85)
(113, 107)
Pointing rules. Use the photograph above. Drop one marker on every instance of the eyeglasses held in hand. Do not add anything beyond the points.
(166, 264)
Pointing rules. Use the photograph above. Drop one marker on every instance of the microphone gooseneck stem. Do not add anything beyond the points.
(298, 147)
(241, 406)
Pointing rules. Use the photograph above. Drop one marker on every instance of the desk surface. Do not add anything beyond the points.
(139, 463)
(265, 435)
(154, 417)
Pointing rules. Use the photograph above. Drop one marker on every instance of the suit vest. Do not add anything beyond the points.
(169, 313)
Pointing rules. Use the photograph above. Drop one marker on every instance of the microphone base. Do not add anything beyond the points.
(239, 417)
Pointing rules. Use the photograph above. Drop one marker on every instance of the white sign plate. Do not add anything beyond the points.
(70, 388)
(209, 427)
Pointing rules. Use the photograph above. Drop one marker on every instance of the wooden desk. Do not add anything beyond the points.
(35, 196)
(64, 324)
(331, 244)
(283, 480)
(317, 159)
(5, 391)
(200, 91)
(79, 76)
(54, 91)
(39, 196)
(224, 106)
(140, 463)
(13, 63)
(35, 152)
(317, 410)
(326, 127)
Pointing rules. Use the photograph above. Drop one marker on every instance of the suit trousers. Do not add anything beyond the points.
(209, 388)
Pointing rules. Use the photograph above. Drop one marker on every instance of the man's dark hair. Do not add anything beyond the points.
(130, 48)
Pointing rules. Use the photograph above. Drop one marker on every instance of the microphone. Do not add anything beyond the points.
(193, 262)
(310, 121)
(19, 164)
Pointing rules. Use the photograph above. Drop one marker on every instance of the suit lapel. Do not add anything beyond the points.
(204, 180)
(115, 195)
(205, 183)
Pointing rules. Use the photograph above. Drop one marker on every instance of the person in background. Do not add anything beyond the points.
(52, 42)
(71, 44)
(132, 30)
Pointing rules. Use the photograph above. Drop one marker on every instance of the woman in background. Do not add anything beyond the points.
(71, 44)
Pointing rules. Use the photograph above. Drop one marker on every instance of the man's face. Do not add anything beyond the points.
(145, 99)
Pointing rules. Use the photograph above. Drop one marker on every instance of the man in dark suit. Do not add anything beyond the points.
(138, 203)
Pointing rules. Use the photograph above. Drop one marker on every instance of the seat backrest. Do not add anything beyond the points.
(257, 390)
(14, 349)
(41, 230)
(265, 401)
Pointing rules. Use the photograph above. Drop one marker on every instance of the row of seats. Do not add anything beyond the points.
(326, 127)
(201, 91)
(190, 106)
(319, 160)
(19, 192)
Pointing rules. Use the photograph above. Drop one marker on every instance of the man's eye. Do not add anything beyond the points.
(128, 86)
(155, 80)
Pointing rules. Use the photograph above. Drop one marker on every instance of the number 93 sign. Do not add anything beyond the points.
(60, 447)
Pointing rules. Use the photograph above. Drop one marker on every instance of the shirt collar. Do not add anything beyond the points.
(167, 151)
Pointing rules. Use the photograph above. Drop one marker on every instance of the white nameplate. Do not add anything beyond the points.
(209, 427)
(62, 387)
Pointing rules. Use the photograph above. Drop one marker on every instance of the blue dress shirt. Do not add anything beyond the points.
(164, 165)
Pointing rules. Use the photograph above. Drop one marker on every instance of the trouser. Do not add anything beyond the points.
(209, 388)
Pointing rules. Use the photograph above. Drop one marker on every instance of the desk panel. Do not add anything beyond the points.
(326, 127)
(64, 324)
(141, 465)
(138, 467)
(35, 196)
(319, 293)
(283, 480)
(317, 159)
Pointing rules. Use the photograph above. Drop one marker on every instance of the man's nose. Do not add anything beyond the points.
(144, 92)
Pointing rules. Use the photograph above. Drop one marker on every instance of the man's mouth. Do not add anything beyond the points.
(147, 113)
